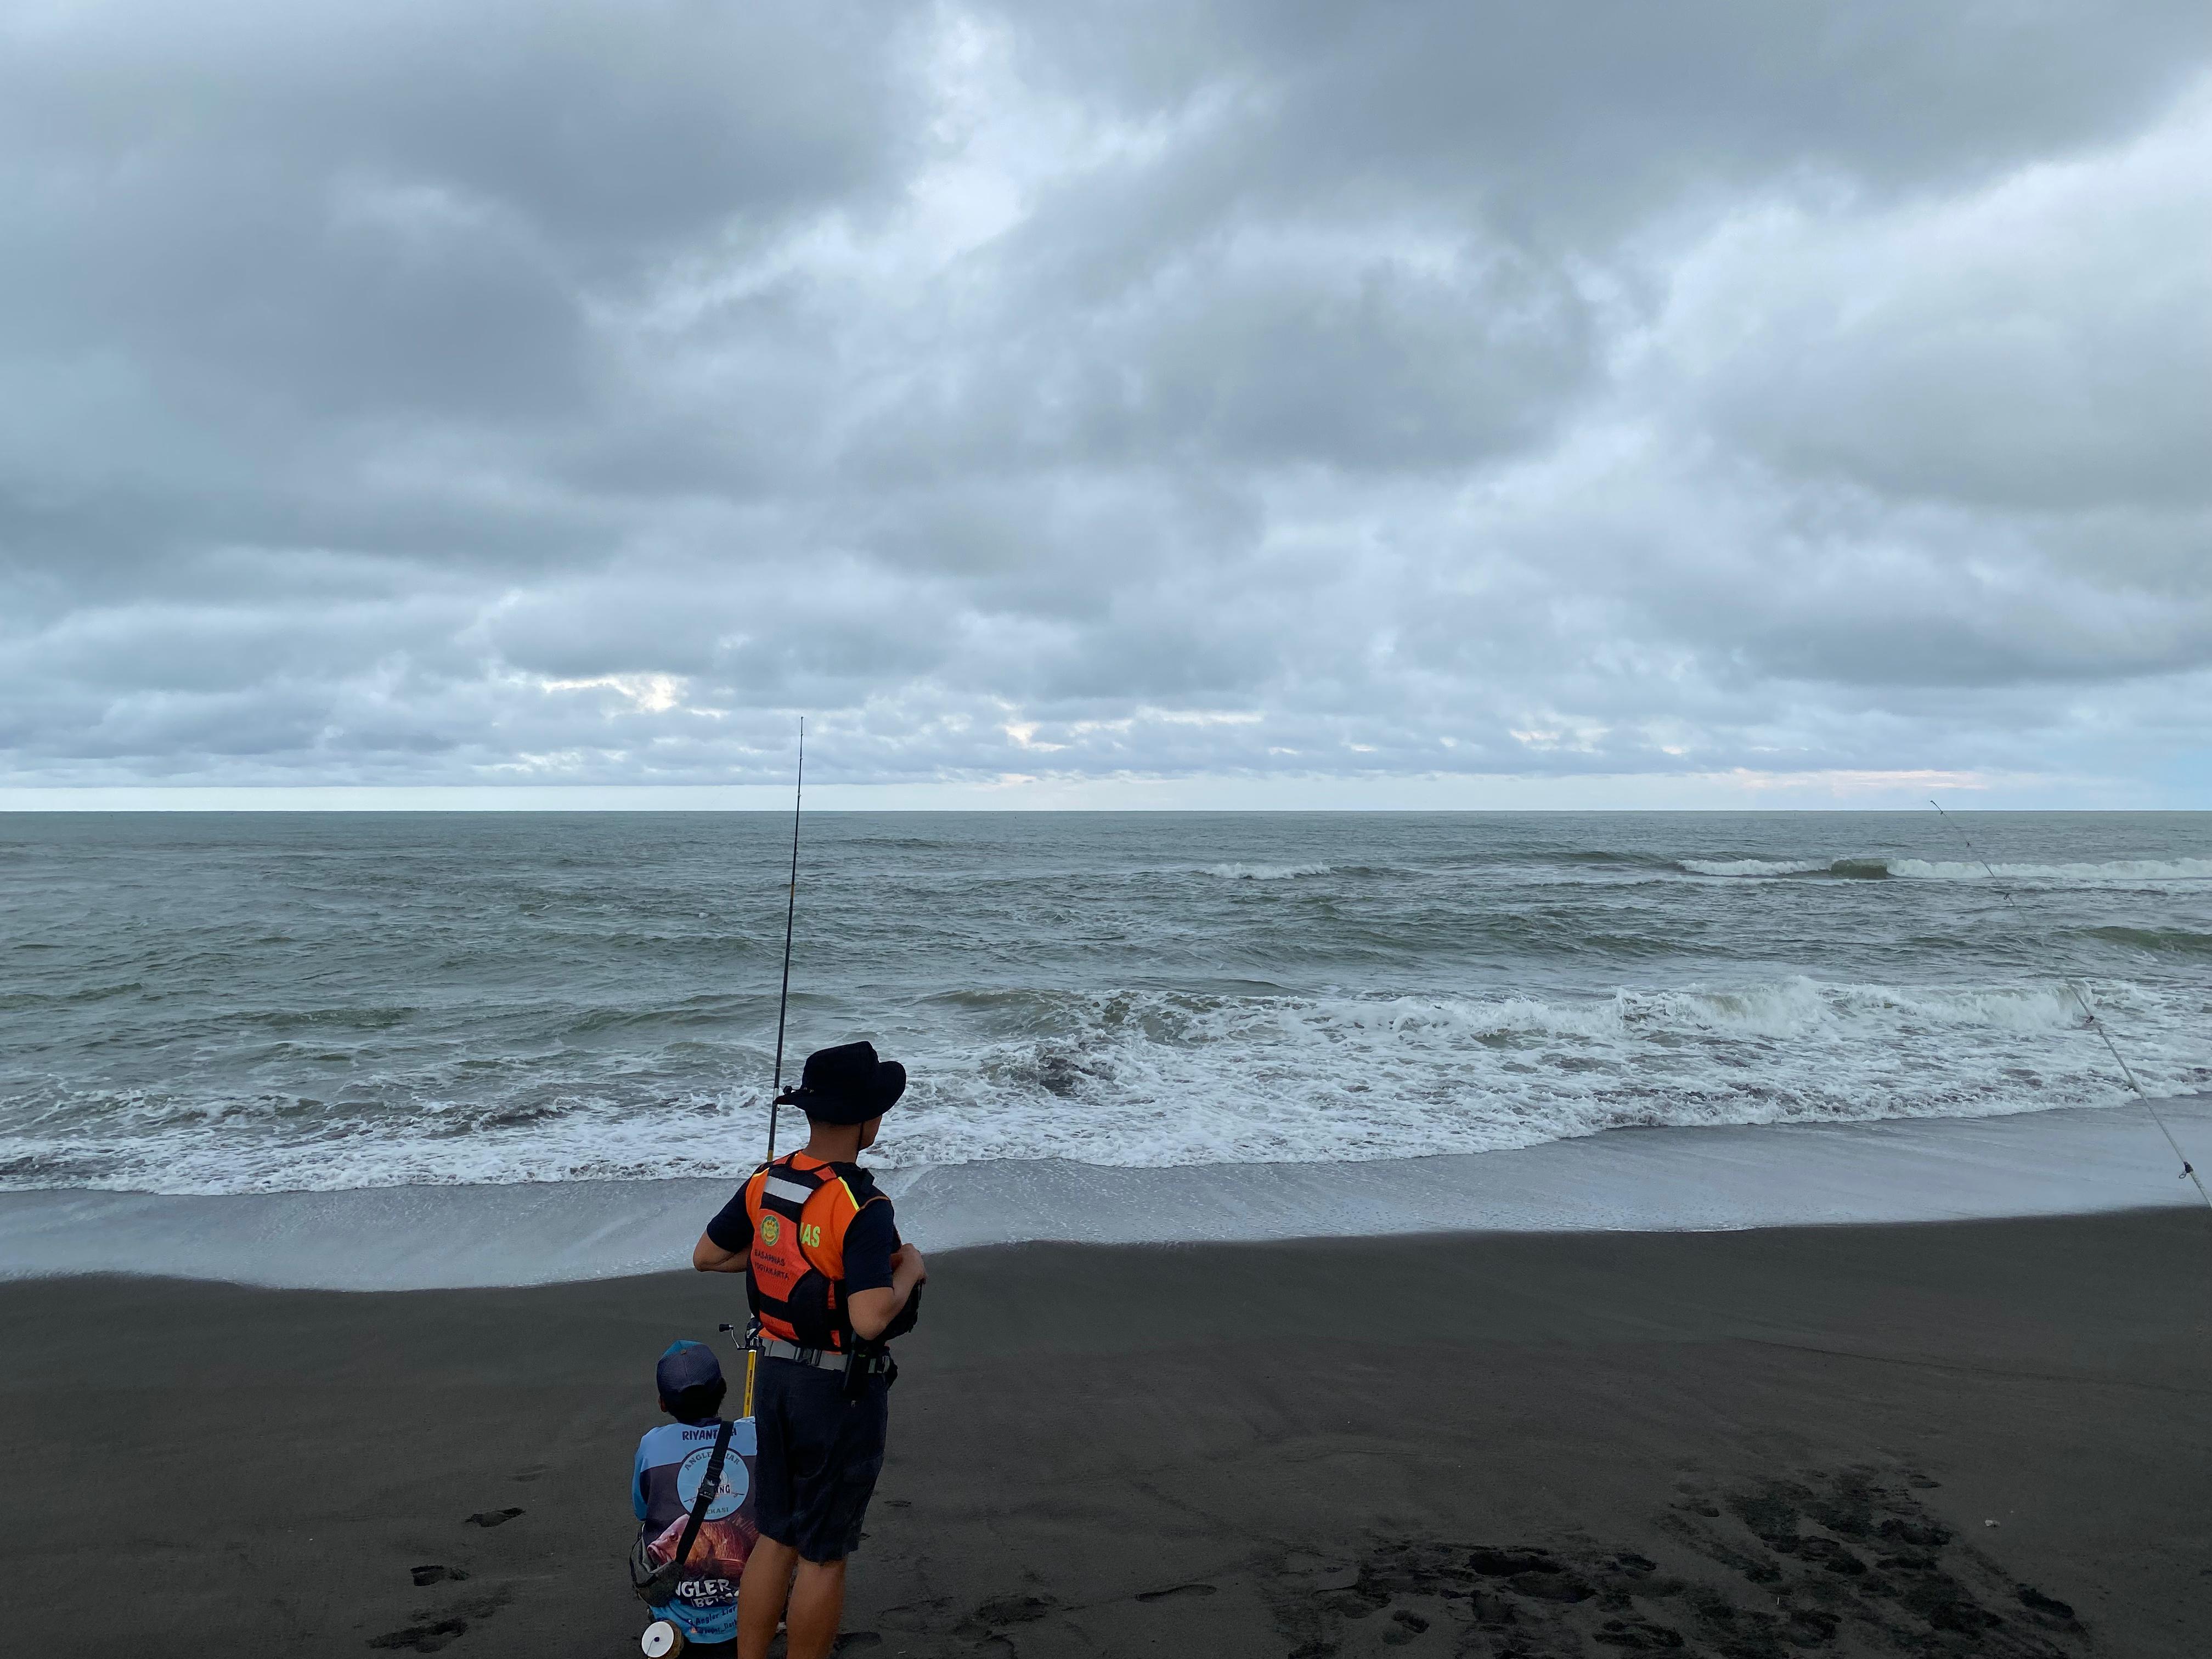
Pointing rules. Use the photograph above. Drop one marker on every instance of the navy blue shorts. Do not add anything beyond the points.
(820, 1456)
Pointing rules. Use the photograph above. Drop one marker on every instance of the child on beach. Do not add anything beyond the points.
(671, 1462)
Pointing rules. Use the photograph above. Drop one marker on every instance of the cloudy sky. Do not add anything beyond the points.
(1215, 402)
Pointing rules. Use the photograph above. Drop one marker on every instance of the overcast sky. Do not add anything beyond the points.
(1198, 403)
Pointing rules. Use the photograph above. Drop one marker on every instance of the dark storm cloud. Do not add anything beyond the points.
(454, 393)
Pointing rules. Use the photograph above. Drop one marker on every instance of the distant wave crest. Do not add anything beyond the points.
(1756, 866)
(2166, 941)
(1265, 872)
(2111, 872)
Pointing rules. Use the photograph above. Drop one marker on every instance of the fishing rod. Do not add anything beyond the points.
(2188, 1169)
(783, 1010)
(790, 916)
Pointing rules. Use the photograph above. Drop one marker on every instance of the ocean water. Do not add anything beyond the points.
(223, 1003)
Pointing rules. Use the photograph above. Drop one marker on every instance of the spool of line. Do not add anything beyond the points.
(661, 1640)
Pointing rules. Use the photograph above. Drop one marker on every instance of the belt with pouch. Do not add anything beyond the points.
(825, 1359)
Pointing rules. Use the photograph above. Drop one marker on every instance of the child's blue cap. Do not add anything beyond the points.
(686, 1365)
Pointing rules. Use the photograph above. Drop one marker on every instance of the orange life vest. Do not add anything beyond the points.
(795, 1276)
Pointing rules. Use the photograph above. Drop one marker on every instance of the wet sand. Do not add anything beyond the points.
(1768, 1442)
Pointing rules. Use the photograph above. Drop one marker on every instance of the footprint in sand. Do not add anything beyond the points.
(2050, 1607)
(422, 1638)
(1404, 1626)
(491, 1518)
(1638, 1636)
(915, 1617)
(1004, 1610)
(429, 1636)
(1834, 1560)
(432, 1573)
(1175, 1592)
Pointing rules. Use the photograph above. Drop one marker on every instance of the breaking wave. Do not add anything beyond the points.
(329, 1004)
(1153, 1078)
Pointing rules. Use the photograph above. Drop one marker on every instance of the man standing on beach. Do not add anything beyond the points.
(829, 1284)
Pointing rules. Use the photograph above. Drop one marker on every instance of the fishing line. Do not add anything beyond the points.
(790, 915)
(2188, 1169)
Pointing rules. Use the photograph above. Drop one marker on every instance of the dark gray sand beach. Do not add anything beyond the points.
(1771, 1442)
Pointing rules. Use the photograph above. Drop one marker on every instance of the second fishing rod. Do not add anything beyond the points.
(2082, 999)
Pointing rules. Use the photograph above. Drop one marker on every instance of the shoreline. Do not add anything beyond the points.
(2064, 1161)
(1765, 1441)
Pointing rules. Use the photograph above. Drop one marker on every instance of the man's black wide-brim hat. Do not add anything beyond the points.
(847, 1084)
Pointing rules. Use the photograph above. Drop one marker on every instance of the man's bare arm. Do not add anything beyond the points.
(873, 1311)
(708, 1257)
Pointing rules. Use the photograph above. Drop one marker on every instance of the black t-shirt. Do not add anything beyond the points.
(870, 1238)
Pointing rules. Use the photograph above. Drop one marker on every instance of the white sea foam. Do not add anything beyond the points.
(1264, 871)
(1174, 1080)
(2055, 1162)
(1159, 1078)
